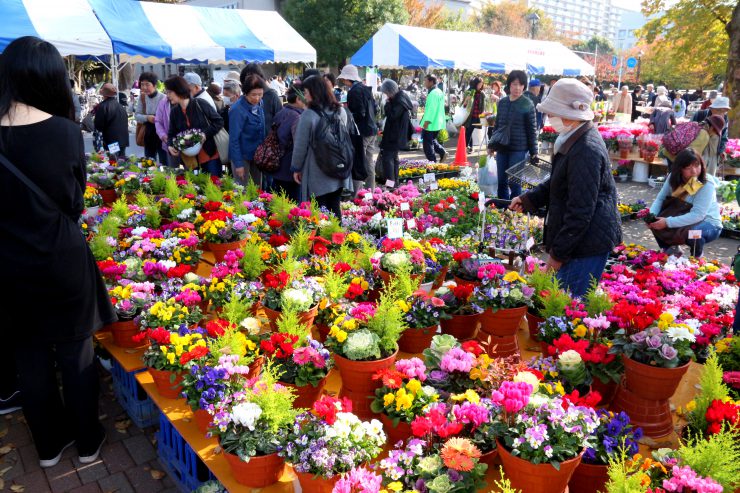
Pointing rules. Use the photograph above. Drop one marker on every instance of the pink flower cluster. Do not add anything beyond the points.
(491, 271)
(412, 368)
(686, 479)
(188, 297)
(513, 396)
(363, 311)
(305, 355)
(229, 266)
(358, 481)
(471, 413)
(457, 359)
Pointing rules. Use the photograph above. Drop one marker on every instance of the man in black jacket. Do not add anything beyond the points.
(582, 224)
(111, 120)
(361, 104)
(397, 130)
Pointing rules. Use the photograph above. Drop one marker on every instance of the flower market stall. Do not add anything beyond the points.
(397, 350)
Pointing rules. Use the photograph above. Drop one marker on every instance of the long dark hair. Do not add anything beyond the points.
(322, 98)
(32, 72)
(683, 159)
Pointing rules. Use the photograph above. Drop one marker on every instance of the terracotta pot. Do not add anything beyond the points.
(322, 331)
(499, 347)
(533, 322)
(166, 386)
(306, 318)
(543, 348)
(203, 305)
(536, 478)
(607, 391)
(652, 415)
(440, 278)
(203, 420)
(316, 484)
(109, 195)
(387, 276)
(357, 383)
(255, 367)
(219, 249)
(462, 327)
(462, 282)
(490, 458)
(504, 322)
(397, 433)
(649, 156)
(259, 472)
(589, 478)
(651, 382)
(306, 395)
(123, 333)
(415, 341)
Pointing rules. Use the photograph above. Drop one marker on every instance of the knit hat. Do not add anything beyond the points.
(717, 123)
(193, 79)
(233, 76)
(108, 90)
(349, 72)
(389, 87)
(721, 103)
(569, 99)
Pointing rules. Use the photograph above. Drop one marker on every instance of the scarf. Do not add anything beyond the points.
(690, 187)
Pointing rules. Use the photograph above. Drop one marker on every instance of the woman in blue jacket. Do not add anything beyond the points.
(247, 129)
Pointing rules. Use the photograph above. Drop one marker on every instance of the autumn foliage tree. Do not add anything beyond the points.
(509, 18)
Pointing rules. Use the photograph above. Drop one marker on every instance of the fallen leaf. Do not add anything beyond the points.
(6, 449)
(654, 444)
(156, 474)
(2, 473)
(3, 432)
(17, 488)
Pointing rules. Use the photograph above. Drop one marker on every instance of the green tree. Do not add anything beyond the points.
(604, 45)
(338, 28)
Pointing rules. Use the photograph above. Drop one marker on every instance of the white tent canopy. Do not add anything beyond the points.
(397, 46)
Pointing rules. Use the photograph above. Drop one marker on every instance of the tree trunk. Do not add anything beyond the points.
(732, 80)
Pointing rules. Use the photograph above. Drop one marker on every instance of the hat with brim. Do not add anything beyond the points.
(108, 90)
(233, 76)
(721, 103)
(569, 99)
(349, 72)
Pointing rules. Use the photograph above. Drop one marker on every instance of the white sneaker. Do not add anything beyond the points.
(11, 404)
(53, 462)
(89, 459)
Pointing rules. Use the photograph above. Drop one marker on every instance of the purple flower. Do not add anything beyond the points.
(654, 342)
(639, 337)
(667, 352)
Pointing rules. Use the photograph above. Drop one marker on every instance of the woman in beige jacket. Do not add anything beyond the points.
(622, 102)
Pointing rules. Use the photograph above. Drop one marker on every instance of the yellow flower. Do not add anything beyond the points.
(388, 399)
(395, 486)
(512, 276)
(723, 345)
(665, 320)
(404, 400)
(414, 386)
(403, 305)
(580, 331)
(171, 358)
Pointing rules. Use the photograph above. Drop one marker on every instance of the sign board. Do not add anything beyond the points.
(631, 62)
(614, 60)
(395, 227)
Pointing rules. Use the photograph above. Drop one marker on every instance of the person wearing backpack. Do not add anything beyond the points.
(322, 151)
(720, 107)
(683, 136)
(361, 104)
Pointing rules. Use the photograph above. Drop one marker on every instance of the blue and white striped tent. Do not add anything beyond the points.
(397, 46)
(146, 32)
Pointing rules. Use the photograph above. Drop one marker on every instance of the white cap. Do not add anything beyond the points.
(193, 79)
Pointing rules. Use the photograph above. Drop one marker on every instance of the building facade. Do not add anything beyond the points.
(630, 21)
(581, 19)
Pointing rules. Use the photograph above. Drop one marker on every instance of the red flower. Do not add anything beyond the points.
(460, 256)
(390, 245)
(342, 267)
(320, 249)
(591, 399)
(274, 223)
(472, 347)
(212, 206)
(463, 292)
(327, 408)
(277, 240)
(451, 199)
(196, 353)
(338, 238)
(279, 345)
(353, 291)
(420, 426)
(393, 379)
(217, 327)
(179, 271)
(276, 282)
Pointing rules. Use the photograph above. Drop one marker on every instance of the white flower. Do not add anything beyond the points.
(570, 358)
(299, 298)
(680, 333)
(527, 377)
(247, 218)
(139, 231)
(251, 324)
(185, 214)
(246, 414)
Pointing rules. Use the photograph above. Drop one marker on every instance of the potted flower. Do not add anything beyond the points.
(329, 441)
(128, 299)
(465, 267)
(93, 201)
(359, 480)
(189, 143)
(623, 170)
(402, 397)
(454, 367)
(170, 355)
(423, 313)
(655, 360)
(249, 425)
(223, 230)
(400, 254)
(284, 289)
(548, 300)
(614, 435)
(541, 440)
(461, 320)
(547, 136)
(170, 314)
(650, 149)
(504, 298)
(625, 145)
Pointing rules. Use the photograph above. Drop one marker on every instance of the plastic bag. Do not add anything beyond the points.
(460, 115)
(488, 177)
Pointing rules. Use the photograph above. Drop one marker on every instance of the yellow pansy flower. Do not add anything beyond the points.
(414, 386)
(512, 276)
(580, 331)
(388, 399)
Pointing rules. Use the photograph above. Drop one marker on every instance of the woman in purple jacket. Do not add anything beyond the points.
(286, 120)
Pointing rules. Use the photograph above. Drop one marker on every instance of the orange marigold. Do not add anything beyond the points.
(458, 454)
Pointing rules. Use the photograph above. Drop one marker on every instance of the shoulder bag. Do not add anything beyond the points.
(673, 207)
(500, 138)
(268, 153)
(141, 127)
(221, 139)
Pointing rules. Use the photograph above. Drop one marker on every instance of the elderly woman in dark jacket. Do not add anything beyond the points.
(516, 119)
(397, 130)
(286, 121)
(189, 113)
(582, 225)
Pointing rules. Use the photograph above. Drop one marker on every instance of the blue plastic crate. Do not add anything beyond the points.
(132, 397)
(182, 463)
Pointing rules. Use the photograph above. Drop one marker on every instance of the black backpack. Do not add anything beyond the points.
(332, 146)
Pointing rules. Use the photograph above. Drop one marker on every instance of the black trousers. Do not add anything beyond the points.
(389, 164)
(331, 202)
(469, 130)
(55, 419)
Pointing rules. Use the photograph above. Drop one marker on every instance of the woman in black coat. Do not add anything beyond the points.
(582, 225)
(189, 113)
(397, 130)
(111, 120)
(55, 297)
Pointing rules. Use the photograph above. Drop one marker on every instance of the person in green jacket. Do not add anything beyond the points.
(433, 120)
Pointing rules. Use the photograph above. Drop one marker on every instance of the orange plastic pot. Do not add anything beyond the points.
(462, 327)
(123, 333)
(503, 322)
(536, 478)
(219, 249)
(306, 318)
(259, 472)
(316, 484)
(203, 420)
(397, 433)
(589, 478)
(167, 386)
(652, 415)
(415, 341)
(490, 458)
(533, 322)
(651, 382)
(357, 382)
(306, 395)
(499, 347)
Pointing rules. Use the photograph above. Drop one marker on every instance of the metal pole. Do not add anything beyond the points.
(596, 59)
(621, 63)
(114, 70)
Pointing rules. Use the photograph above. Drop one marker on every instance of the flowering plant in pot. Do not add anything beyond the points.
(170, 314)
(667, 345)
(461, 316)
(402, 397)
(568, 368)
(129, 299)
(189, 141)
(397, 254)
(285, 290)
(423, 312)
(359, 480)
(329, 441)
(465, 265)
(454, 367)
(249, 425)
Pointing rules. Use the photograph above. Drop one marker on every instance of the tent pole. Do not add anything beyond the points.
(114, 70)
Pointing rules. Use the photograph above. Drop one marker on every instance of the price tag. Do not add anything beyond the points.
(481, 200)
(433, 186)
(390, 183)
(429, 177)
(694, 234)
(529, 244)
(405, 206)
(196, 172)
(114, 147)
(161, 168)
(395, 227)
(411, 224)
(368, 196)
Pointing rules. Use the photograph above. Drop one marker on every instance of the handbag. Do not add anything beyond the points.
(500, 138)
(221, 139)
(141, 127)
(672, 207)
(268, 153)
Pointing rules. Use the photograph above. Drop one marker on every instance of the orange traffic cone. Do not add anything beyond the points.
(461, 154)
